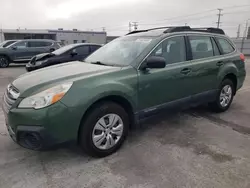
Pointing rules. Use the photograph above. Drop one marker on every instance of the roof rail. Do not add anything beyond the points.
(201, 29)
(146, 30)
(172, 29)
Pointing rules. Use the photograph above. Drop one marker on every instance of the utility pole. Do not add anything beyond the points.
(1, 33)
(244, 36)
(129, 26)
(238, 32)
(219, 17)
(134, 25)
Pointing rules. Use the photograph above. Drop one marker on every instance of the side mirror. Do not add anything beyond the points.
(154, 62)
(73, 53)
(13, 47)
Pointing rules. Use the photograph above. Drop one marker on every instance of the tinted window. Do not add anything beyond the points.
(94, 48)
(22, 44)
(215, 47)
(201, 47)
(39, 44)
(225, 46)
(173, 50)
(82, 50)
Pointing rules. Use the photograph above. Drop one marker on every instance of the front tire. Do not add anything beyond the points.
(224, 97)
(4, 62)
(104, 129)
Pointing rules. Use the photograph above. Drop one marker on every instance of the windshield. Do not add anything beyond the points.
(121, 52)
(63, 49)
(6, 43)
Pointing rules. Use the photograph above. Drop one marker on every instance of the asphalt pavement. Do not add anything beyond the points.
(195, 148)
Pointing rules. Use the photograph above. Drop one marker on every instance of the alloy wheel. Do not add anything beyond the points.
(107, 131)
(226, 95)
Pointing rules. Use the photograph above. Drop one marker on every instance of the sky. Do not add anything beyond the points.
(115, 15)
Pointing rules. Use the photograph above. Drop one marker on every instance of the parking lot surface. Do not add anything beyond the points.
(195, 148)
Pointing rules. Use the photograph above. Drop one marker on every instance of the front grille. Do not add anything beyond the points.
(9, 97)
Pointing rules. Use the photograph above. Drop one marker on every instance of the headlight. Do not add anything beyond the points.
(46, 97)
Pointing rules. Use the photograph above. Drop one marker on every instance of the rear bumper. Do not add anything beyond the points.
(241, 79)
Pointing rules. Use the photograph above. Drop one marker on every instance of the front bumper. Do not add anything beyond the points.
(39, 129)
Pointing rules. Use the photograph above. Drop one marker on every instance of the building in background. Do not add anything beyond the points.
(110, 38)
(61, 35)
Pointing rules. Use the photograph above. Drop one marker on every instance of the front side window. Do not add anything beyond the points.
(121, 51)
(173, 50)
(225, 46)
(201, 47)
(20, 45)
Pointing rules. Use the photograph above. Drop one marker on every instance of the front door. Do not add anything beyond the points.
(20, 51)
(169, 86)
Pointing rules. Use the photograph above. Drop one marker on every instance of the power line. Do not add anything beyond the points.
(180, 18)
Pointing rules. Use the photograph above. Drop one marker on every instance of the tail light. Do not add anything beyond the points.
(242, 57)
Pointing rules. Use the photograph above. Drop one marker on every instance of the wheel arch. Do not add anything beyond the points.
(6, 55)
(233, 78)
(118, 99)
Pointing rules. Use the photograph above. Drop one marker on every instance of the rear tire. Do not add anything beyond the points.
(4, 62)
(224, 97)
(104, 129)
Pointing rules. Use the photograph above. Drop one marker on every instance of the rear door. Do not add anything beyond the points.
(205, 65)
(38, 47)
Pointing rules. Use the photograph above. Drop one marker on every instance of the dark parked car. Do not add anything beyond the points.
(24, 50)
(7, 43)
(67, 53)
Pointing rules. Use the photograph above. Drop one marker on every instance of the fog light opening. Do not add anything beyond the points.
(30, 140)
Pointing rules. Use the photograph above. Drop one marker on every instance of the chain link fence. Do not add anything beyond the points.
(243, 45)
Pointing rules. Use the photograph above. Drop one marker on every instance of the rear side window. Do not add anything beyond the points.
(82, 50)
(215, 47)
(226, 47)
(201, 47)
(94, 48)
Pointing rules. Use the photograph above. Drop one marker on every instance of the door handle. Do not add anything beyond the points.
(220, 63)
(185, 71)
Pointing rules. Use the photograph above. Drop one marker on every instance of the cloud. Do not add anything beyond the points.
(115, 14)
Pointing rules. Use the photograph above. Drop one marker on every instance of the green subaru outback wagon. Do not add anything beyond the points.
(97, 101)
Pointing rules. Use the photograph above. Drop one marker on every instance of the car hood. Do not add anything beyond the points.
(46, 77)
(44, 56)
